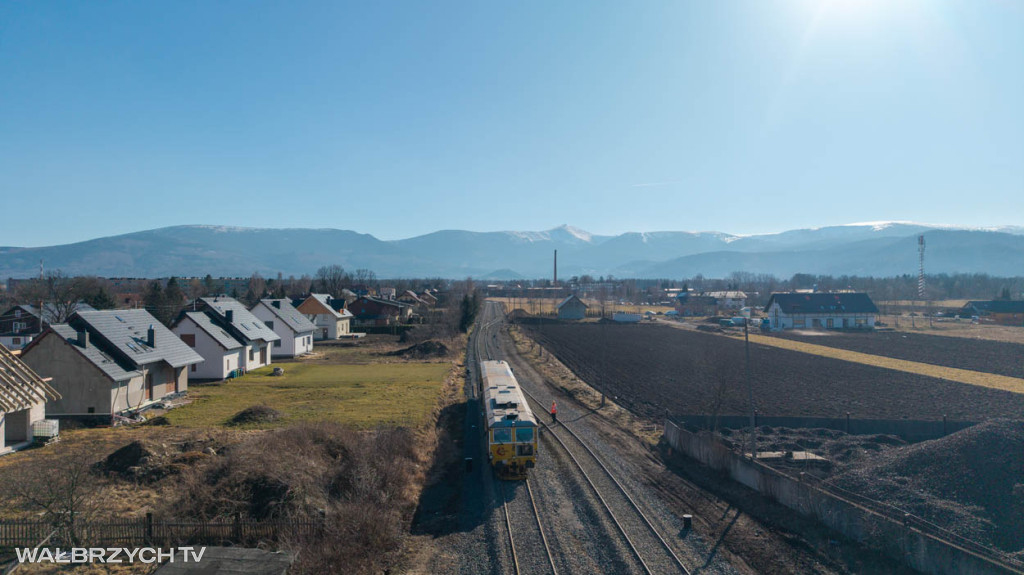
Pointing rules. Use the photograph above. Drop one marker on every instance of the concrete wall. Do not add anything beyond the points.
(81, 384)
(132, 394)
(16, 426)
(905, 542)
(908, 429)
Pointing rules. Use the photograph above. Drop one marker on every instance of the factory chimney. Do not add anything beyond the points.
(556, 268)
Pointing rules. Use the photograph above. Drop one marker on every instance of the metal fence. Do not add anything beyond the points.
(147, 531)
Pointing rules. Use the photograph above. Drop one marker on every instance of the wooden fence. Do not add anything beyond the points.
(147, 531)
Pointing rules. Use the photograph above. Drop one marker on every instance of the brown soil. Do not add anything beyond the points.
(657, 371)
(997, 357)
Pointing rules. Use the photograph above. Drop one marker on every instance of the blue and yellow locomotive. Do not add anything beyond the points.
(511, 427)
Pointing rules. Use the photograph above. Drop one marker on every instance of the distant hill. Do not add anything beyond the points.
(881, 248)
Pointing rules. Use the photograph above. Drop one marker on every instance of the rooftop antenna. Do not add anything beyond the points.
(920, 274)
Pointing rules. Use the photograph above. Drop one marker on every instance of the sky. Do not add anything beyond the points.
(402, 118)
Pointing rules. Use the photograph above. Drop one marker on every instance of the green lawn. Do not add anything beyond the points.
(364, 395)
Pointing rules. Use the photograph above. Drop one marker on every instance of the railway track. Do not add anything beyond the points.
(642, 537)
(521, 508)
(651, 550)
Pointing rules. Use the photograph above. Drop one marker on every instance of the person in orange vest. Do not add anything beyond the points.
(554, 412)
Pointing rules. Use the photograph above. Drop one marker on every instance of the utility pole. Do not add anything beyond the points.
(750, 391)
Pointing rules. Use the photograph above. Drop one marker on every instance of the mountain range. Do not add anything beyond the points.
(877, 248)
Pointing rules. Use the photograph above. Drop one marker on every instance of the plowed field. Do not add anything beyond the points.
(997, 357)
(657, 371)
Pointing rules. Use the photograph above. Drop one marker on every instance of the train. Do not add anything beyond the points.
(511, 428)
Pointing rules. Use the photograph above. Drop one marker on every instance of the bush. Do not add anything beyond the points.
(256, 414)
(359, 484)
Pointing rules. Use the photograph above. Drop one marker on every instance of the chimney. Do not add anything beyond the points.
(151, 337)
(83, 338)
(230, 315)
(556, 268)
(276, 303)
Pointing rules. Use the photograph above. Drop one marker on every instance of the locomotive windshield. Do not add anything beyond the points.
(502, 435)
(524, 434)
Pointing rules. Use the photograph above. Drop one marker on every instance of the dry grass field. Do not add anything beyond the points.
(969, 377)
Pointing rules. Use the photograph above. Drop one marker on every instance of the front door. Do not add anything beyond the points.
(263, 356)
(149, 386)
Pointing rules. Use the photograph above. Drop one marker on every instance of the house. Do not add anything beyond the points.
(696, 305)
(330, 323)
(428, 298)
(827, 310)
(229, 337)
(23, 397)
(729, 299)
(388, 293)
(22, 323)
(1003, 312)
(294, 328)
(372, 311)
(410, 297)
(572, 307)
(109, 362)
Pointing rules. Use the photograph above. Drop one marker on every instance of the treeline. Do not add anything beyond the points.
(759, 287)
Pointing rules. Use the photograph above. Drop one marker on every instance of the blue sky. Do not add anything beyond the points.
(401, 118)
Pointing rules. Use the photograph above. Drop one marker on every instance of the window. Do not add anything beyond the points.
(252, 354)
(17, 313)
(193, 368)
(860, 322)
(502, 436)
(15, 341)
(277, 343)
(799, 322)
(189, 339)
(524, 434)
(19, 326)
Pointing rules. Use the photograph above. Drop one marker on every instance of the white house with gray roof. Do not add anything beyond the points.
(107, 362)
(294, 328)
(228, 336)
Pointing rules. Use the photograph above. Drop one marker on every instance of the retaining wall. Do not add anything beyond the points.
(901, 540)
(909, 429)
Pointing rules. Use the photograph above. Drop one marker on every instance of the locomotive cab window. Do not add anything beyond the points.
(502, 436)
(524, 435)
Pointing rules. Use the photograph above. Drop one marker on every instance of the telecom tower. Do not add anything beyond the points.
(920, 274)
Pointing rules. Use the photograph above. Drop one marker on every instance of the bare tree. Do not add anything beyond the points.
(257, 288)
(365, 276)
(58, 292)
(63, 487)
(331, 279)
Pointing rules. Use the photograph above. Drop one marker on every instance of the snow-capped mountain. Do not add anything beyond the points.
(868, 248)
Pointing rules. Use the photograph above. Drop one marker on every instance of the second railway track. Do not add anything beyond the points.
(651, 550)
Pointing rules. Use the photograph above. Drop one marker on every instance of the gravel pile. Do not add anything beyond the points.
(970, 482)
(841, 449)
(425, 350)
